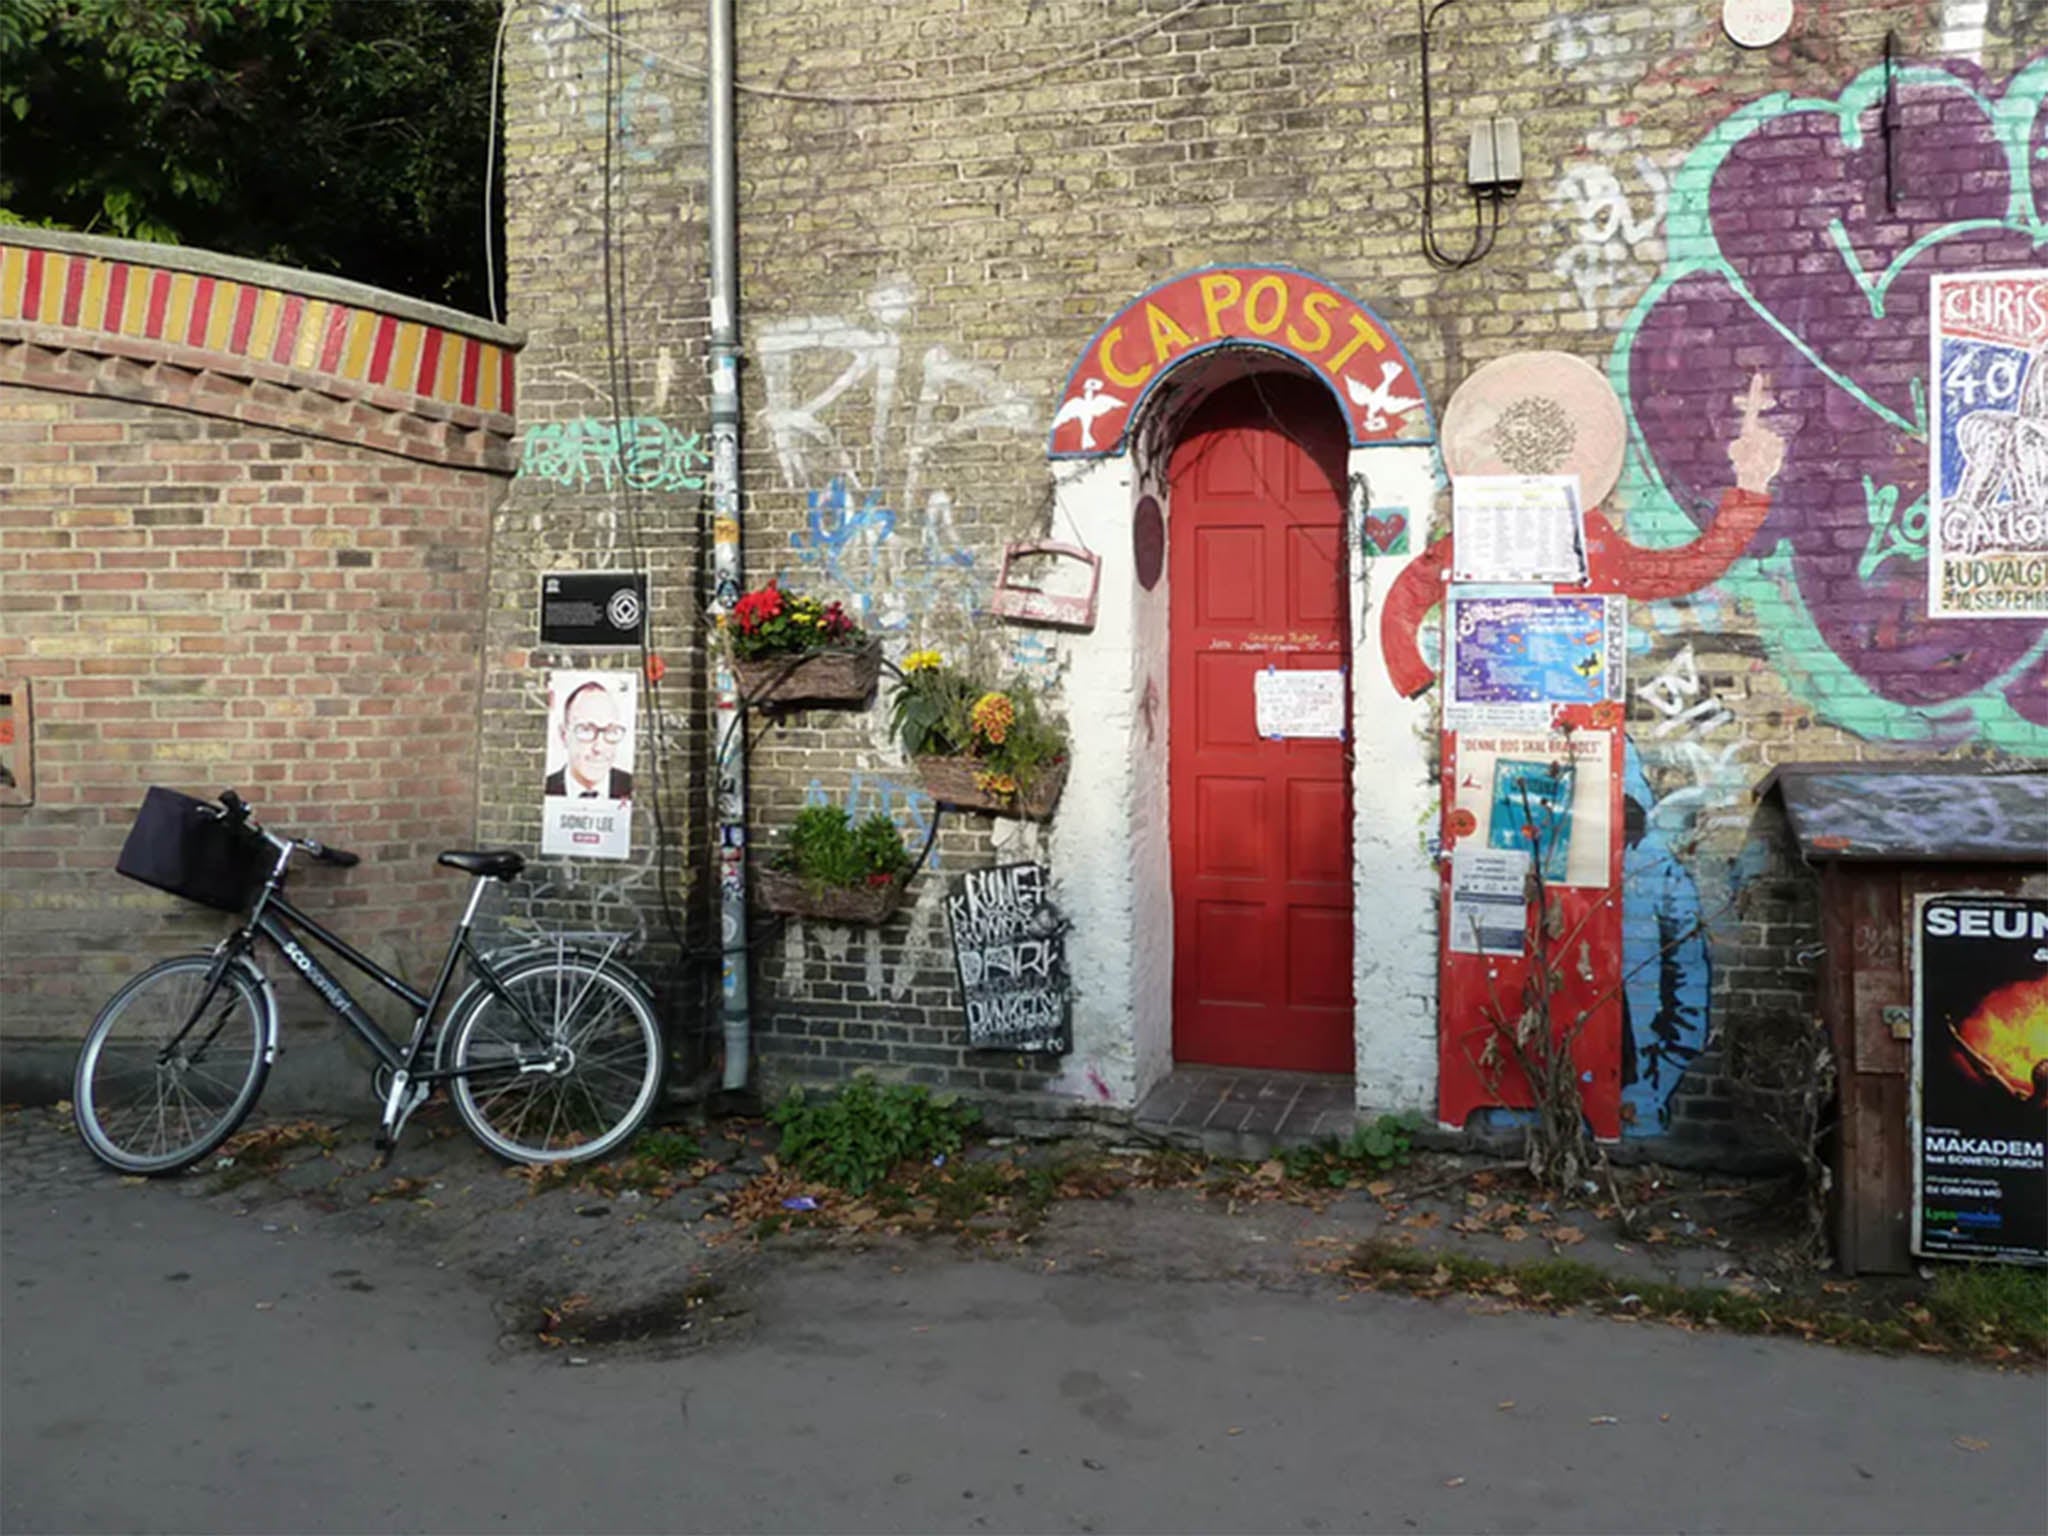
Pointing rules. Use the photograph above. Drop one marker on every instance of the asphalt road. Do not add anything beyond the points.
(168, 1366)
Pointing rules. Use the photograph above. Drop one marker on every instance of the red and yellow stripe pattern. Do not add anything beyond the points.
(253, 321)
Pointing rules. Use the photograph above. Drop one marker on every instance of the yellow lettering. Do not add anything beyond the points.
(1219, 291)
(1362, 331)
(1315, 306)
(1165, 334)
(1105, 355)
(1277, 290)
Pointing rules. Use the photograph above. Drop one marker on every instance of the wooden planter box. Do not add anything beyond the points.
(780, 891)
(951, 781)
(813, 678)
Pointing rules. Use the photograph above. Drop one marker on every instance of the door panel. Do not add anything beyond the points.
(1261, 829)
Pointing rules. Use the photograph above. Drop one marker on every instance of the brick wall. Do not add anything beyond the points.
(938, 207)
(198, 600)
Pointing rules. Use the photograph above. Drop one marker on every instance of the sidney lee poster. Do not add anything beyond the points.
(587, 795)
(1980, 1077)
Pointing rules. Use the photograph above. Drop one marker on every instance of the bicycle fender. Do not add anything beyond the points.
(253, 974)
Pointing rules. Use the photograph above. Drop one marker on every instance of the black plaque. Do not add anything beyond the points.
(1980, 1079)
(607, 608)
(1009, 947)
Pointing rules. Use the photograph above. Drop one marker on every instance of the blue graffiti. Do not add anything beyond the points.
(909, 806)
(843, 542)
(854, 549)
(1666, 964)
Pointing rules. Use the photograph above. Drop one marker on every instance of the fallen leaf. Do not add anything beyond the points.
(1477, 1202)
(1663, 1418)
(1565, 1235)
(1514, 1234)
(1379, 1189)
(1603, 1418)
(1454, 1482)
(1234, 1430)
(1972, 1443)
(1505, 1406)
(1272, 1171)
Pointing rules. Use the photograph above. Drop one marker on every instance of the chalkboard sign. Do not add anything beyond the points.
(1010, 949)
(607, 608)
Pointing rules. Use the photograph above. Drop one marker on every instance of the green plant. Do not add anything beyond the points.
(1375, 1146)
(827, 848)
(943, 711)
(853, 1138)
(771, 622)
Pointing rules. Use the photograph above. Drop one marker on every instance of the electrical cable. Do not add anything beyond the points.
(490, 168)
(902, 98)
(1482, 237)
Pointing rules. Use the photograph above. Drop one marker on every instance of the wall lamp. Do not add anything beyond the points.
(1493, 166)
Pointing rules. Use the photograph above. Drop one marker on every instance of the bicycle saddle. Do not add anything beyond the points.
(501, 864)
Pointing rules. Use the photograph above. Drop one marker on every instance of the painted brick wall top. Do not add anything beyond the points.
(244, 315)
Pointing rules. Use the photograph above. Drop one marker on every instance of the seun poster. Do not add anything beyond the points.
(1980, 1077)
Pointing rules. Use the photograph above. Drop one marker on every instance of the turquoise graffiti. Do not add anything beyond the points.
(641, 453)
(1801, 237)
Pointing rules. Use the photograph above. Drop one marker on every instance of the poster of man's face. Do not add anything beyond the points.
(586, 806)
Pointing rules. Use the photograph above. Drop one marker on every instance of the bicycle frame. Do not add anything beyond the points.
(275, 918)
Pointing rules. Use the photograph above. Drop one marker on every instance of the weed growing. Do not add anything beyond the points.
(853, 1138)
(1990, 1313)
(1375, 1147)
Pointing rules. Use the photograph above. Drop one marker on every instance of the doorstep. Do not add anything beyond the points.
(1233, 1112)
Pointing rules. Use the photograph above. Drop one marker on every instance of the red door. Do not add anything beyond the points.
(1262, 895)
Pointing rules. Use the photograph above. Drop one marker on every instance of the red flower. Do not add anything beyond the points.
(756, 608)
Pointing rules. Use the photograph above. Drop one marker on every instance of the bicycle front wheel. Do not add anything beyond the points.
(562, 1068)
(157, 1088)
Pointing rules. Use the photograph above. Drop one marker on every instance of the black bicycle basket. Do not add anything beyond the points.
(182, 845)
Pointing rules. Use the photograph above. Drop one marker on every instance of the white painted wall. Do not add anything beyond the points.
(1394, 807)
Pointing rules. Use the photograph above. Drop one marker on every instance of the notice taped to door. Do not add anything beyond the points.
(1009, 947)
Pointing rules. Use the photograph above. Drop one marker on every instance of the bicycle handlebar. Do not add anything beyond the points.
(236, 811)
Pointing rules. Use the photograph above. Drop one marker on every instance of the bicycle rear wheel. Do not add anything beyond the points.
(564, 1068)
(149, 1099)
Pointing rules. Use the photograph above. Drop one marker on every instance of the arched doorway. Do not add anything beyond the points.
(1261, 827)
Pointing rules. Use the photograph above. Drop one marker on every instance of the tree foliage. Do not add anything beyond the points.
(342, 136)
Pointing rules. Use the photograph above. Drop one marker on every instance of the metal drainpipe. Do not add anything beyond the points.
(728, 575)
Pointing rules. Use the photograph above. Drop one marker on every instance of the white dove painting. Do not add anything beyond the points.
(1379, 401)
(1085, 408)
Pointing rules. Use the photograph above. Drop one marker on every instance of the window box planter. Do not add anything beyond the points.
(952, 781)
(841, 678)
(779, 890)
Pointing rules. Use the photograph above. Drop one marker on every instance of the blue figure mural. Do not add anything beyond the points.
(1667, 974)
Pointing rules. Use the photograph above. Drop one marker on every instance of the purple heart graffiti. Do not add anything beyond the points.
(1801, 247)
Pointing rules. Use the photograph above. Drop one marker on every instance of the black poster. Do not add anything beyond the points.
(1010, 949)
(1980, 1077)
(605, 608)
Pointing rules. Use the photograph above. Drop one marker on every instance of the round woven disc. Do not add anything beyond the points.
(1537, 413)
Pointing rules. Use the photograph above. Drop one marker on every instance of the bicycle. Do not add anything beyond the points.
(551, 1053)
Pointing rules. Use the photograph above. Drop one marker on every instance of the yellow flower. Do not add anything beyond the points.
(992, 716)
(922, 661)
(996, 783)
